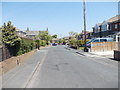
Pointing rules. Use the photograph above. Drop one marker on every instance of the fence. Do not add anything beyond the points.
(0, 53)
(5, 53)
(104, 46)
(118, 46)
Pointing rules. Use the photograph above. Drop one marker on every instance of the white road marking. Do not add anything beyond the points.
(36, 72)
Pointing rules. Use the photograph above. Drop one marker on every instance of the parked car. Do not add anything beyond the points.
(99, 40)
(54, 44)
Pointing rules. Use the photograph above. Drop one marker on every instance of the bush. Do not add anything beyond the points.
(77, 43)
(73, 43)
(43, 43)
(25, 45)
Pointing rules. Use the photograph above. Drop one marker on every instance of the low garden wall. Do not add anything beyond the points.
(12, 62)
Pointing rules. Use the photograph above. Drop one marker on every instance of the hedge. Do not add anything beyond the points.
(43, 43)
(77, 43)
(24, 46)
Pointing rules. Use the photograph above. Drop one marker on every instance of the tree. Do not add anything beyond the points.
(72, 33)
(44, 35)
(54, 36)
(60, 41)
(9, 35)
(10, 39)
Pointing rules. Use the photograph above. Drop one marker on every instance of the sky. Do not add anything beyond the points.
(59, 17)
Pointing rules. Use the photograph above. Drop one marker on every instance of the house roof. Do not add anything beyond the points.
(83, 32)
(32, 32)
(113, 19)
(54, 39)
(99, 24)
(67, 37)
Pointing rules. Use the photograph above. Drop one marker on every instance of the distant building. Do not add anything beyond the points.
(66, 39)
(20, 33)
(54, 40)
(32, 33)
(82, 35)
(97, 30)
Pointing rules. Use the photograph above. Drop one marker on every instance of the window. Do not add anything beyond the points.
(96, 41)
(103, 40)
(115, 26)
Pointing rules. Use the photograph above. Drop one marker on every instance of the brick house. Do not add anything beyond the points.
(32, 33)
(20, 33)
(108, 28)
(82, 35)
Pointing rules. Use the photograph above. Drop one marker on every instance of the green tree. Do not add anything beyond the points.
(9, 35)
(44, 35)
(60, 41)
(54, 36)
(72, 33)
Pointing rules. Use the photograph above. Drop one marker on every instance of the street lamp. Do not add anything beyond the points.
(85, 48)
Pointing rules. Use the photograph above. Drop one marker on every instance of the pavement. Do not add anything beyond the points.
(62, 67)
(108, 54)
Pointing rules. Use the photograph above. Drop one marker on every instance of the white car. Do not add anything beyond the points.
(88, 44)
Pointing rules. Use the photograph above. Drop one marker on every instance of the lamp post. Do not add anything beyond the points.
(85, 48)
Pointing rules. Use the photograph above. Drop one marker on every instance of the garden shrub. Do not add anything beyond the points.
(25, 45)
(43, 43)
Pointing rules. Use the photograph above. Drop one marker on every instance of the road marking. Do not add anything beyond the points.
(35, 72)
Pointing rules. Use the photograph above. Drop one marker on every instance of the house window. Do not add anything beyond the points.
(115, 26)
(108, 26)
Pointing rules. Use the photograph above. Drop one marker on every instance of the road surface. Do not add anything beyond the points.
(59, 67)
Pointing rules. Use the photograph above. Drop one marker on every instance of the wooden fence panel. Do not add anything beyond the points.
(118, 46)
(103, 46)
(1, 54)
(6, 53)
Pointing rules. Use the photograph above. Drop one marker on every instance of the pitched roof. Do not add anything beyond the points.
(99, 24)
(113, 19)
(32, 32)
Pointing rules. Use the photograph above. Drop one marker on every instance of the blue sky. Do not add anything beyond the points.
(60, 17)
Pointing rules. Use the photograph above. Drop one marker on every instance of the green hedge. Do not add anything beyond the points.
(24, 46)
(27, 45)
(77, 43)
(43, 43)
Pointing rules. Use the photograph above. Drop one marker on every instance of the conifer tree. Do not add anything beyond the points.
(9, 35)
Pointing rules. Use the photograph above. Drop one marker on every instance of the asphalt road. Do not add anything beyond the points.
(58, 67)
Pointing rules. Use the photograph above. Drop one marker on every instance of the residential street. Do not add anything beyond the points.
(59, 67)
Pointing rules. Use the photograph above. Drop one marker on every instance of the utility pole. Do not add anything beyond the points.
(84, 3)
